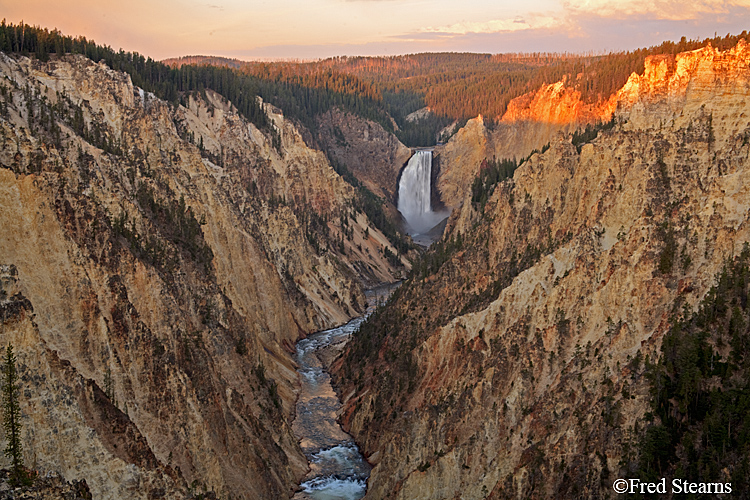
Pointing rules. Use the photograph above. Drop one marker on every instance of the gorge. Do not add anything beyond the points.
(338, 470)
(180, 273)
(531, 378)
(159, 278)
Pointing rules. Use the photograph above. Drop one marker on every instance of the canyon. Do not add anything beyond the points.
(161, 262)
(529, 380)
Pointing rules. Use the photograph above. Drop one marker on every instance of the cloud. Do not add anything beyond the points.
(672, 10)
(496, 25)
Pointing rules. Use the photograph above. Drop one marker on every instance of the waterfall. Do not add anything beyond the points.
(414, 194)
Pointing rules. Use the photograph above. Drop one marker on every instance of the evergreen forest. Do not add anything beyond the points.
(700, 389)
(455, 86)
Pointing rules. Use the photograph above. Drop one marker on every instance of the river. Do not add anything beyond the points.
(338, 471)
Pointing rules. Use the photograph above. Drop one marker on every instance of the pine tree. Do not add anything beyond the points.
(12, 417)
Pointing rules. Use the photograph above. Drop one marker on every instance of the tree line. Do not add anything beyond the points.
(455, 86)
(153, 76)
(462, 86)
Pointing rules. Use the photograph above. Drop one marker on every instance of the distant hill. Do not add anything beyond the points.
(176, 62)
(455, 86)
(459, 86)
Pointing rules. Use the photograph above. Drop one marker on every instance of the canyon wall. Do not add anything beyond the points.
(459, 159)
(373, 155)
(160, 260)
(530, 122)
(528, 380)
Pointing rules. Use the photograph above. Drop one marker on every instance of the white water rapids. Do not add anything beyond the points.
(338, 471)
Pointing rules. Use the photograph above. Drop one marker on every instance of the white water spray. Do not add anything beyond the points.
(414, 194)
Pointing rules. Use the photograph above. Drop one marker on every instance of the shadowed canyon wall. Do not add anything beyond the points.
(160, 261)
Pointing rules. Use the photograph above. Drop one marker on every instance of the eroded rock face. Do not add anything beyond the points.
(47, 487)
(669, 82)
(531, 121)
(61, 409)
(524, 382)
(172, 256)
(374, 155)
(459, 159)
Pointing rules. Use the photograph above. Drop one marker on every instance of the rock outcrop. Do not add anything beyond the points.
(171, 254)
(557, 103)
(47, 487)
(527, 381)
(530, 122)
(459, 159)
(373, 155)
(535, 119)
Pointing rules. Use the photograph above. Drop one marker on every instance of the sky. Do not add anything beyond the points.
(309, 29)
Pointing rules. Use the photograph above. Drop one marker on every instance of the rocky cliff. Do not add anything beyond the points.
(165, 257)
(530, 122)
(374, 155)
(459, 159)
(527, 381)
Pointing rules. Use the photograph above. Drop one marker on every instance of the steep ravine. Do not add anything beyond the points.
(523, 382)
(160, 260)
